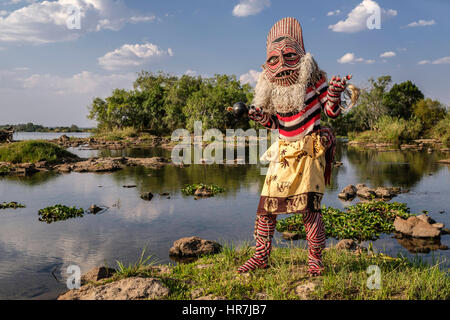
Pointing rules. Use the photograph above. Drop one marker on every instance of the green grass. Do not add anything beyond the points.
(33, 151)
(345, 276)
(363, 221)
(136, 268)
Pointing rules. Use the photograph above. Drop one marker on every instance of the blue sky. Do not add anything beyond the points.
(50, 73)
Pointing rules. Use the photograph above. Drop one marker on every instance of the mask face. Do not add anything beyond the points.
(283, 60)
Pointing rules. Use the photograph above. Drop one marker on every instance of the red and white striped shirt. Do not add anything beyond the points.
(295, 125)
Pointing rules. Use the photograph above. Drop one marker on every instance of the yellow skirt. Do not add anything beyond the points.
(295, 180)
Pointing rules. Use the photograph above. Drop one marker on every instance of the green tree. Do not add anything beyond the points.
(400, 100)
(429, 112)
(370, 105)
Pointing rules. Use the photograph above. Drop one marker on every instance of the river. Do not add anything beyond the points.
(34, 256)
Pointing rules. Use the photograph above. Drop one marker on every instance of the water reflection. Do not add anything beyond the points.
(401, 168)
(30, 250)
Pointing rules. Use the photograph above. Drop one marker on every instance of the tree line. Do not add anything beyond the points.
(160, 103)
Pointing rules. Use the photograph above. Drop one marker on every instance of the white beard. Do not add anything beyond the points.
(274, 98)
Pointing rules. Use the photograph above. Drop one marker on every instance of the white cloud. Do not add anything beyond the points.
(421, 23)
(357, 19)
(47, 21)
(388, 54)
(251, 77)
(3, 13)
(351, 58)
(333, 13)
(132, 55)
(250, 7)
(444, 60)
(84, 82)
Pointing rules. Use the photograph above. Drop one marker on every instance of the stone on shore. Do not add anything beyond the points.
(135, 288)
(97, 274)
(193, 247)
(350, 245)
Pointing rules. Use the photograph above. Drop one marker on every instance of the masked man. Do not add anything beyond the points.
(290, 95)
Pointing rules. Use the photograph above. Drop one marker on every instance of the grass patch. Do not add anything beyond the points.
(11, 205)
(345, 277)
(138, 268)
(34, 151)
(59, 213)
(189, 189)
(363, 221)
(390, 130)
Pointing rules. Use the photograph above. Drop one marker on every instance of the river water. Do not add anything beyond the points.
(34, 256)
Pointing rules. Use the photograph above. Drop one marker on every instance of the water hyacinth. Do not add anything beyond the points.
(59, 213)
(11, 205)
(189, 189)
(363, 221)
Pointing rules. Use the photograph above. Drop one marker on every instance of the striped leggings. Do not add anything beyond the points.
(264, 230)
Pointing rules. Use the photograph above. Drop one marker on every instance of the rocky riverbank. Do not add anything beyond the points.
(428, 145)
(108, 164)
(96, 143)
(214, 277)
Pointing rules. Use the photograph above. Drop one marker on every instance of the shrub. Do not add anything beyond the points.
(33, 151)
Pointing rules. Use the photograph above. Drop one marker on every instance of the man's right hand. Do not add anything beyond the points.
(255, 113)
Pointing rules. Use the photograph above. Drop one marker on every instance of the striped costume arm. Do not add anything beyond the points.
(330, 99)
(265, 119)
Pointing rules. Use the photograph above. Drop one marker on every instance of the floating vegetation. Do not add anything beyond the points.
(363, 221)
(4, 170)
(11, 205)
(189, 189)
(59, 213)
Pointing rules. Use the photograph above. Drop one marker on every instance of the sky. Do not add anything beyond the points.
(56, 56)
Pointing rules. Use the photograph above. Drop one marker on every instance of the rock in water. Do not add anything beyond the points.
(349, 192)
(134, 288)
(416, 227)
(94, 209)
(193, 247)
(203, 192)
(147, 196)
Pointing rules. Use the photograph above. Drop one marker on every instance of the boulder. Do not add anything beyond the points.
(349, 192)
(135, 288)
(193, 247)
(366, 193)
(94, 209)
(350, 245)
(416, 227)
(203, 192)
(147, 196)
(97, 274)
(384, 193)
(305, 290)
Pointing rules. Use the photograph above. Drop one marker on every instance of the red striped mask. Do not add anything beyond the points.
(284, 52)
